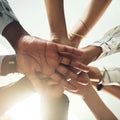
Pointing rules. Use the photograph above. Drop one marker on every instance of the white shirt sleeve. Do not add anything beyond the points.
(6, 15)
(110, 42)
(111, 75)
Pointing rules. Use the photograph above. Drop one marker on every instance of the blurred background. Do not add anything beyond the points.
(32, 15)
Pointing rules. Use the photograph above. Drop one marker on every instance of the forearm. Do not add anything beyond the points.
(96, 105)
(114, 90)
(13, 32)
(90, 16)
(55, 109)
(10, 27)
(56, 18)
(15, 93)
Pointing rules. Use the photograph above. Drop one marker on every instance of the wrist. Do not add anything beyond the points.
(91, 53)
(62, 39)
(79, 31)
(13, 32)
(75, 39)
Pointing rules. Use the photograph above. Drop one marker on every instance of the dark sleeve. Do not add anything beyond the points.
(6, 15)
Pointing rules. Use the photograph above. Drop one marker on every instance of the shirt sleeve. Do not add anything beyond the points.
(111, 75)
(6, 15)
(110, 42)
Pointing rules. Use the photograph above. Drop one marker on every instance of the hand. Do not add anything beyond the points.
(94, 73)
(74, 43)
(37, 55)
(82, 89)
(95, 76)
(53, 90)
(56, 89)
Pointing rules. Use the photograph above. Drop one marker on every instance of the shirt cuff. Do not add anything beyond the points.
(110, 42)
(111, 75)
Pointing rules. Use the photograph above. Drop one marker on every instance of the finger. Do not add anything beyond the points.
(74, 78)
(62, 80)
(71, 76)
(72, 56)
(73, 50)
(69, 51)
(74, 70)
(78, 65)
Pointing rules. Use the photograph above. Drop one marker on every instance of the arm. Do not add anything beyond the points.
(57, 23)
(16, 28)
(55, 109)
(89, 102)
(105, 46)
(9, 24)
(93, 101)
(33, 51)
(56, 18)
(109, 43)
(96, 105)
(91, 15)
(112, 89)
(11, 95)
(52, 96)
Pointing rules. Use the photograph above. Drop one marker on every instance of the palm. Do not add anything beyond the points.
(44, 56)
(37, 55)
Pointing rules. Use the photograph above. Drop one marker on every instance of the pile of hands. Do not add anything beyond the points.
(51, 67)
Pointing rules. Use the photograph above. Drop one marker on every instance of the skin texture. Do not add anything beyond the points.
(59, 34)
(22, 55)
(90, 16)
(43, 56)
(45, 62)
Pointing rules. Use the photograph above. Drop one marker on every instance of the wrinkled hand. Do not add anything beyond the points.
(37, 55)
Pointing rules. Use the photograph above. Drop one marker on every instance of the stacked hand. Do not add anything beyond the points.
(35, 55)
(81, 87)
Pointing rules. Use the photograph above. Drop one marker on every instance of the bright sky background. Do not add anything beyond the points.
(32, 15)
